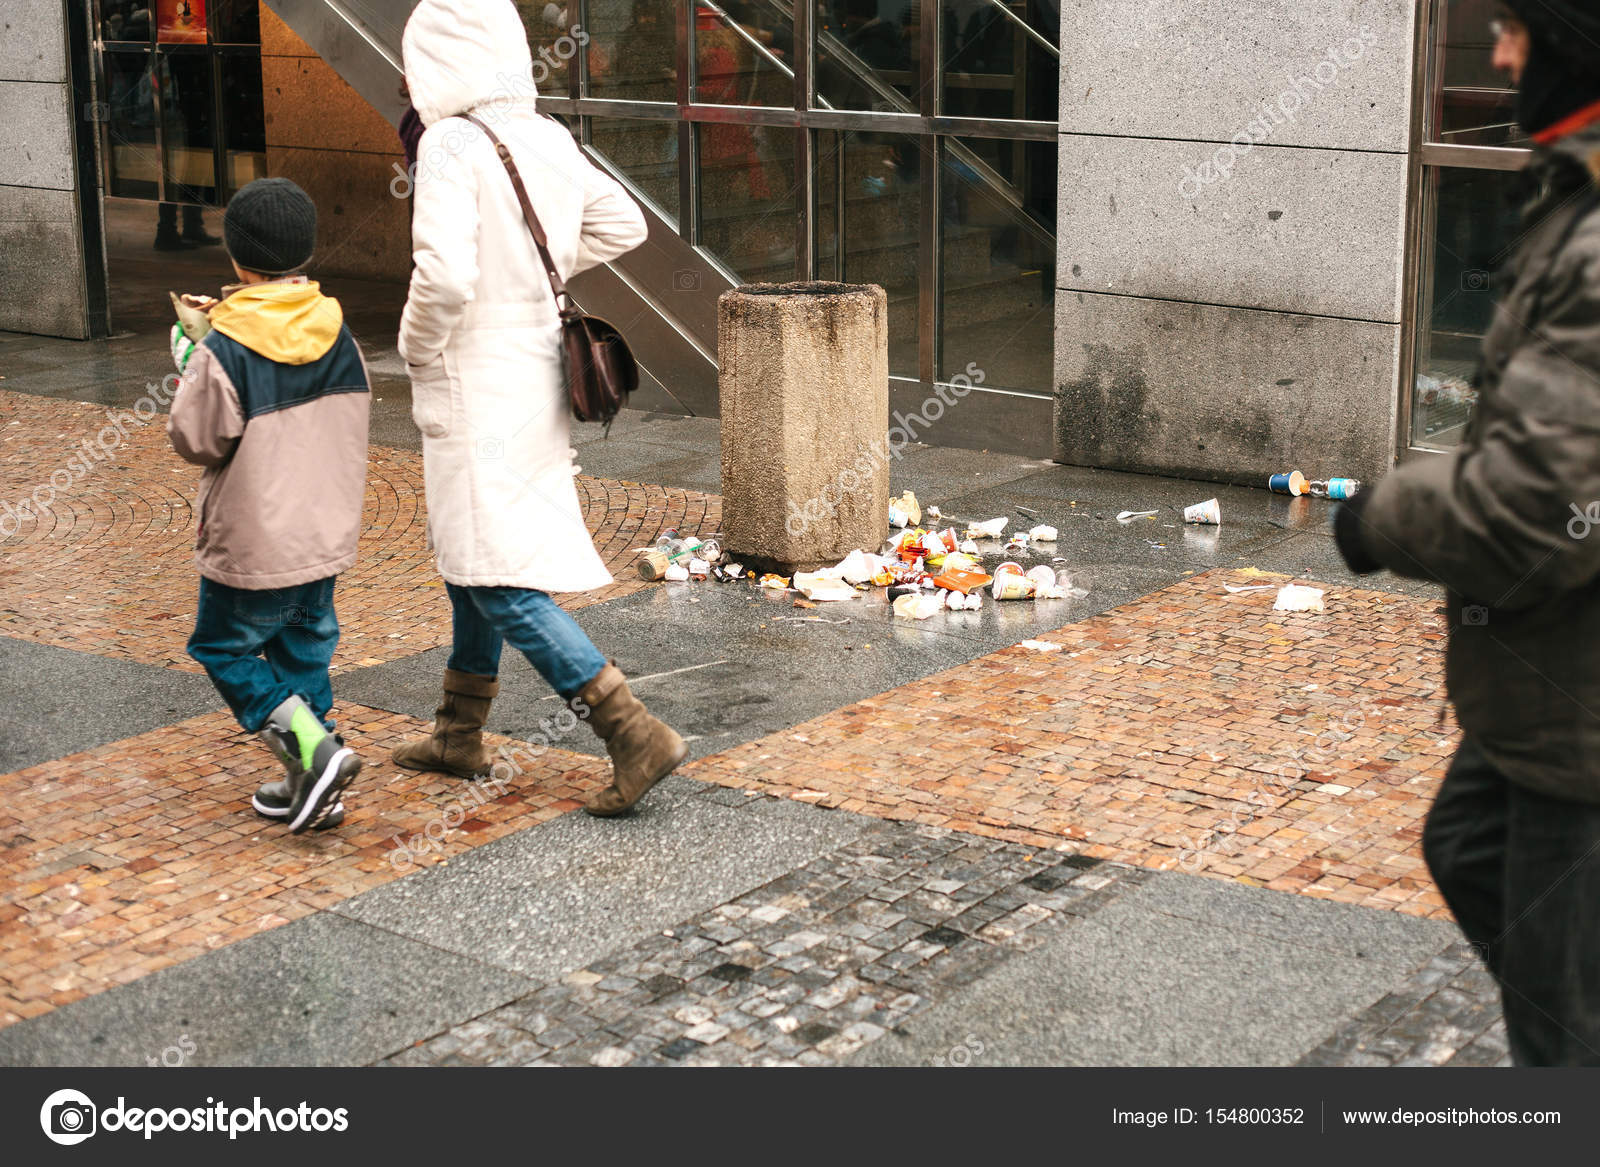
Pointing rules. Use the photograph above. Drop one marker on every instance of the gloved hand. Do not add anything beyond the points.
(1347, 528)
(182, 347)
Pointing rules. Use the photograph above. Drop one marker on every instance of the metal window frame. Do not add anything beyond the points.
(1429, 156)
(806, 115)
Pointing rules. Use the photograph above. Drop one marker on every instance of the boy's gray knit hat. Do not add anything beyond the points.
(270, 227)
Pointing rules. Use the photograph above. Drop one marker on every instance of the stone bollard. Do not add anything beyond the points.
(804, 385)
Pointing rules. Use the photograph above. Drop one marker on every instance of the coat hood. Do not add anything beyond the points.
(288, 321)
(461, 54)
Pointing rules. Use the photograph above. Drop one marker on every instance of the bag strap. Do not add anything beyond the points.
(558, 286)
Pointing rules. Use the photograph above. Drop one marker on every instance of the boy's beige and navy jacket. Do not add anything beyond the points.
(274, 405)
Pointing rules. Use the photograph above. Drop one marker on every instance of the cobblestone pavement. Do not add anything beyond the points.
(1012, 796)
(1447, 1014)
(141, 854)
(1193, 728)
(805, 970)
(109, 568)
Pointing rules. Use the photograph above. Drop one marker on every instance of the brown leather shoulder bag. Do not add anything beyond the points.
(598, 365)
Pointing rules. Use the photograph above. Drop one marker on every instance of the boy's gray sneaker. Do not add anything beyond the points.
(318, 763)
(272, 800)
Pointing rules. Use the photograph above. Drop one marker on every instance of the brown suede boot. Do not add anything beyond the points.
(643, 749)
(456, 746)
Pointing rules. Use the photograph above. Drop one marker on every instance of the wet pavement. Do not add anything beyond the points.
(897, 843)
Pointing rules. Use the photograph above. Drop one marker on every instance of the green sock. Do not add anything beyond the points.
(308, 731)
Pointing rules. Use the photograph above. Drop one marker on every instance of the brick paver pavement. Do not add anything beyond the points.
(143, 853)
(1194, 729)
(108, 568)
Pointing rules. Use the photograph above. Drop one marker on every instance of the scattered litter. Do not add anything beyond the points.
(676, 573)
(1027, 512)
(1039, 645)
(1043, 534)
(1236, 589)
(1130, 516)
(823, 587)
(935, 515)
(654, 565)
(1298, 598)
(1013, 585)
(1337, 489)
(1208, 513)
(812, 620)
(988, 529)
(776, 582)
(1291, 482)
(918, 607)
(905, 511)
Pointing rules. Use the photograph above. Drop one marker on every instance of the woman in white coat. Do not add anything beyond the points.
(481, 337)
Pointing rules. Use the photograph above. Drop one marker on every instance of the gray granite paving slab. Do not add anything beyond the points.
(60, 701)
(324, 990)
(1346, 929)
(544, 901)
(1133, 985)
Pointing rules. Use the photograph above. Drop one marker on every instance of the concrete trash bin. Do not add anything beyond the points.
(804, 388)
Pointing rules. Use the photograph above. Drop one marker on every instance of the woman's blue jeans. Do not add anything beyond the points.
(486, 619)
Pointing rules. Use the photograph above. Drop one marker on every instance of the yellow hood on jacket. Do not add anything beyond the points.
(290, 322)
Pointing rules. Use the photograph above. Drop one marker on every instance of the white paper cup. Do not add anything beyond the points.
(1208, 513)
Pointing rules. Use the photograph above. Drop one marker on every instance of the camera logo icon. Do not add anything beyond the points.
(68, 1117)
(96, 111)
(1475, 280)
(491, 449)
(685, 280)
(1474, 616)
(294, 615)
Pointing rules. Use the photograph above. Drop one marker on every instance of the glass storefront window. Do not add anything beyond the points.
(185, 117)
(1475, 217)
(188, 144)
(882, 212)
(1470, 216)
(645, 152)
(868, 54)
(244, 140)
(632, 50)
(747, 199)
(744, 52)
(1476, 104)
(1001, 59)
(999, 263)
(130, 127)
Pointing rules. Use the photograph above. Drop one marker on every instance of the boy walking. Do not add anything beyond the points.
(274, 403)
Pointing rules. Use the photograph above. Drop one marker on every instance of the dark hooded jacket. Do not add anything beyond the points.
(1510, 521)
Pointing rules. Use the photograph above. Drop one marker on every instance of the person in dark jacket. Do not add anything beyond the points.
(1505, 523)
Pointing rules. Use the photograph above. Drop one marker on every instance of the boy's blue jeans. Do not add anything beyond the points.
(262, 647)
(487, 618)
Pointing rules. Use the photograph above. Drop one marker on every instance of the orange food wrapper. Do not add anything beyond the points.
(962, 581)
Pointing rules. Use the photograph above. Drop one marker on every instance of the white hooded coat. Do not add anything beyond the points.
(480, 328)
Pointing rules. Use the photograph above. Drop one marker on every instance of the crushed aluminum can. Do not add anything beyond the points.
(653, 565)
